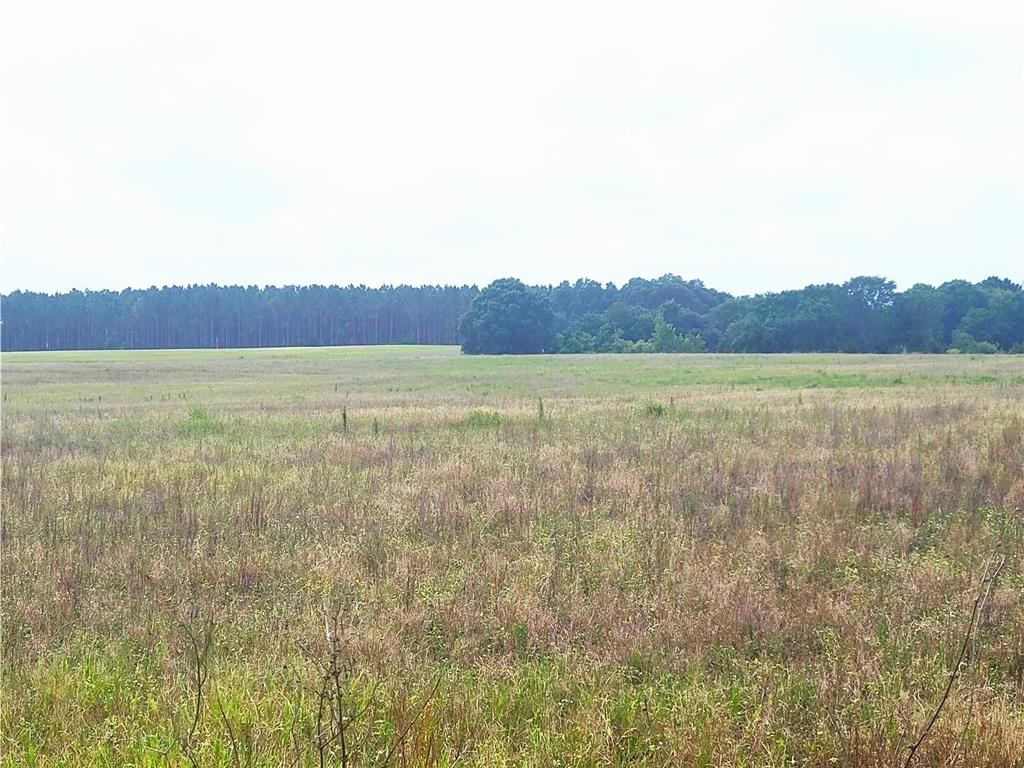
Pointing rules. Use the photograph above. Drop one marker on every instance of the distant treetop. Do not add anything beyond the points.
(507, 317)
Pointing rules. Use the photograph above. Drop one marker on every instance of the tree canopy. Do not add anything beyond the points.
(507, 317)
(667, 314)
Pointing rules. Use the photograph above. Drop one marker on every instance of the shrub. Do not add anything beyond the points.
(655, 409)
(201, 422)
(483, 419)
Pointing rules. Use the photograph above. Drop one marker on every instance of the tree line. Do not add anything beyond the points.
(864, 314)
(667, 314)
(211, 316)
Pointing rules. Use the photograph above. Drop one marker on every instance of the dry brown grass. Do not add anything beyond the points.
(776, 566)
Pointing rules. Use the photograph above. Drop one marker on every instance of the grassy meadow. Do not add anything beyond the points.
(405, 556)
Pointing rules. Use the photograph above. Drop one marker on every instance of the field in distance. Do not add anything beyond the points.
(406, 556)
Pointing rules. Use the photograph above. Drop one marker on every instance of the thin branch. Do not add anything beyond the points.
(987, 581)
(411, 723)
(231, 732)
(199, 657)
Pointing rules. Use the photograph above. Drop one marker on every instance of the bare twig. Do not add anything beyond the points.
(972, 654)
(201, 672)
(411, 723)
(332, 720)
(987, 582)
(230, 730)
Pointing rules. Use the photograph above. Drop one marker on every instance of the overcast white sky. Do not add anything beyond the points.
(757, 146)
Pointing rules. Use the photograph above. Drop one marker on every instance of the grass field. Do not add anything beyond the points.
(404, 556)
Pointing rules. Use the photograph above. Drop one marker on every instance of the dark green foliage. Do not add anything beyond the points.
(917, 319)
(507, 318)
(866, 303)
(631, 322)
(865, 314)
(669, 314)
(964, 342)
(959, 298)
(666, 338)
(1000, 321)
(210, 316)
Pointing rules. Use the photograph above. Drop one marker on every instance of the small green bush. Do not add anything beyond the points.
(201, 422)
(480, 418)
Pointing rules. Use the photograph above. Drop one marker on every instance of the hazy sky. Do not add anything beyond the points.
(757, 146)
